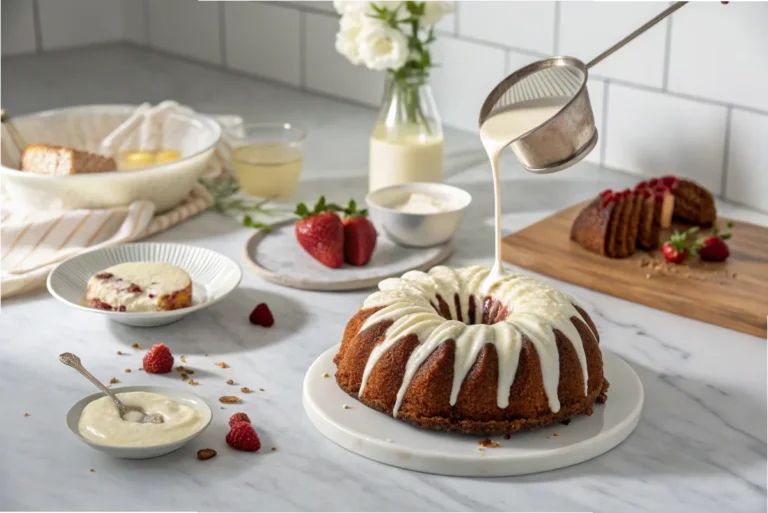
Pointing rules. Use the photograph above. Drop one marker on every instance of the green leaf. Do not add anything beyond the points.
(302, 210)
(725, 236)
(320, 205)
(730, 224)
(247, 221)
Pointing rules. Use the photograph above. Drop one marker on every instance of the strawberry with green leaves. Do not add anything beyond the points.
(714, 248)
(677, 248)
(359, 235)
(321, 233)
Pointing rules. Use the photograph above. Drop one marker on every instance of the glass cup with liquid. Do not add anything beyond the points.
(267, 158)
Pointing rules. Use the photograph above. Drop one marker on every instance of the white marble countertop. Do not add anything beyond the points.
(700, 445)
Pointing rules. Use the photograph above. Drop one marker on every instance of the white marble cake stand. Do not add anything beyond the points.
(276, 256)
(374, 435)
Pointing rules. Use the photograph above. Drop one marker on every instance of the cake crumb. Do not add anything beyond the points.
(91, 470)
(26, 414)
(141, 368)
(120, 352)
(507, 437)
(274, 448)
(325, 374)
(127, 370)
(245, 390)
(137, 346)
(346, 406)
(230, 382)
(261, 390)
(184, 360)
(229, 399)
(193, 382)
(555, 434)
(546, 437)
(221, 365)
(113, 380)
(488, 443)
(184, 376)
(205, 454)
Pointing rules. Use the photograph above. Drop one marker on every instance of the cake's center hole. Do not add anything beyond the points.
(488, 311)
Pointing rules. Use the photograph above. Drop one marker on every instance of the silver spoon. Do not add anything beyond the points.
(74, 362)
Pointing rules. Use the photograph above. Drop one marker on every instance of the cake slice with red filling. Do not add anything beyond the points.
(599, 228)
(140, 287)
(693, 203)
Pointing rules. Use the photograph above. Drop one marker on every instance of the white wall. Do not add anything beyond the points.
(687, 98)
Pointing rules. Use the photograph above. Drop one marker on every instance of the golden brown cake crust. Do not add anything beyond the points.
(57, 160)
(426, 401)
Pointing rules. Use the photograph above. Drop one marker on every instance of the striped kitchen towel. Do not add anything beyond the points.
(32, 243)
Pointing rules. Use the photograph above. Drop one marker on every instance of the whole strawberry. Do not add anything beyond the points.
(238, 417)
(676, 248)
(158, 360)
(321, 233)
(243, 437)
(359, 235)
(714, 248)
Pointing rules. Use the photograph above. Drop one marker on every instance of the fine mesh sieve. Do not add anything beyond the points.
(569, 135)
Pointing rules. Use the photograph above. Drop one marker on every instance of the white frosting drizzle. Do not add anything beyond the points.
(536, 309)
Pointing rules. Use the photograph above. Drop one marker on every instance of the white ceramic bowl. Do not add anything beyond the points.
(418, 230)
(213, 275)
(140, 453)
(84, 127)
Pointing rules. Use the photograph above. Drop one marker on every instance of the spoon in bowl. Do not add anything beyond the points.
(142, 416)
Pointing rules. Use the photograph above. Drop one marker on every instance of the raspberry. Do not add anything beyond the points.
(158, 360)
(243, 437)
(238, 417)
(262, 316)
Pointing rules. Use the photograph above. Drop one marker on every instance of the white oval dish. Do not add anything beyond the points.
(374, 435)
(83, 127)
(418, 229)
(213, 276)
(138, 453)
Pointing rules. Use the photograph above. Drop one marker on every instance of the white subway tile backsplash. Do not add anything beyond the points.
(264, 39)
(526, 25)
(651, 133)
(747, 174)
(466, 73)
(66, 23)
(324, 6)
(186, 27)
(133, 17)
(18, 27)
(721, 52)
(589, 28)
(328, 72)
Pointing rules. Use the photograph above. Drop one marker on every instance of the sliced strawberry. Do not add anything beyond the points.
(359, 235)
(677, 248)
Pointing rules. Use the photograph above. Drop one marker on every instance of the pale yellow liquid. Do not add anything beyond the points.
(269, 170)
(137, 159)
(498, 132)
(404, 159)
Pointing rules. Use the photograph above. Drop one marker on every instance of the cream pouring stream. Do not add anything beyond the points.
(498, 132)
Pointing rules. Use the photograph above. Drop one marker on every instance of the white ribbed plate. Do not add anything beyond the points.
(213, 277)
(379, 437)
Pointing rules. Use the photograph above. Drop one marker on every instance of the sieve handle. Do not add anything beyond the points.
(666, 12)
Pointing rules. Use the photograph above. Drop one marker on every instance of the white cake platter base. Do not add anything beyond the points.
(379, 437)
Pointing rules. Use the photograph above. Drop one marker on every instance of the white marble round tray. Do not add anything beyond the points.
(374, 435)
(276, 256)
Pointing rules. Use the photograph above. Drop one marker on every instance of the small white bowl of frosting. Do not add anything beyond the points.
(418, 214)
(97, 422)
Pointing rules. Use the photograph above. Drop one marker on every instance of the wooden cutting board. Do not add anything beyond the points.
(732, 294)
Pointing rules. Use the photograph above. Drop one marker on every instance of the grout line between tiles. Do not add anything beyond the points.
(36, 26)
(726, 149)
(603, 145)
(456, 19)
(145, 21)
(222, 33)
(556, 35)
(302, 50)
(667, 54)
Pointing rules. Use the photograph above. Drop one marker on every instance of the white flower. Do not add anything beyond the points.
(350, 26)
(382, 47)
(435, 11)
(350, 7)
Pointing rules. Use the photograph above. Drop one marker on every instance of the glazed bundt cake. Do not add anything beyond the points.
(452, 351)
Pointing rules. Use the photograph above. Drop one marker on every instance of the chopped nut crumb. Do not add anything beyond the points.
(325, 374)
(205, 454)
(230, 382)
(184, 376)
(274, 448)
(555, 434)
(229, 399)
(193, 382)
(245, 390)
(119, 352)
(507, 437)
(261, 390)
(137, 346)
(184, 360)
(222, 365)
(26, 414)
(91, 470)
(141, 368)
(488, 443)
(346, 406)
(113, 380)
(127, 370)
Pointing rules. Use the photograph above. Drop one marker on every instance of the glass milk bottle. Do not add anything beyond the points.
(407, 141)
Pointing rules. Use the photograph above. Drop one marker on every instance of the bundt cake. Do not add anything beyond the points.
(445, 350)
